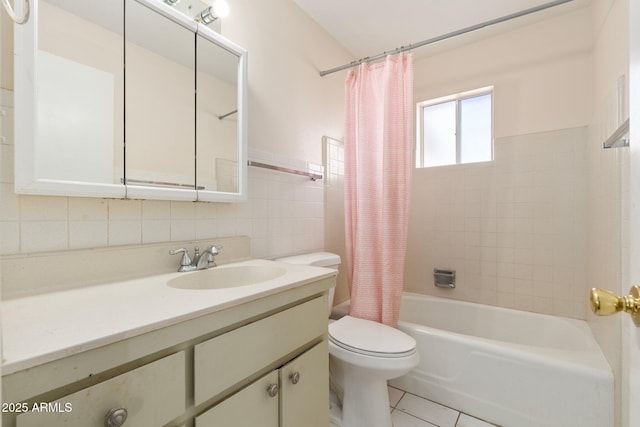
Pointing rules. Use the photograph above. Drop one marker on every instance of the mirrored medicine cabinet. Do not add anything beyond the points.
(128, 99)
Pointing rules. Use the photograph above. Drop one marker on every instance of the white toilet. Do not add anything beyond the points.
(363, 356)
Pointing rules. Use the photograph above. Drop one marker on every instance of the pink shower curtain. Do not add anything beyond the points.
(378, 165)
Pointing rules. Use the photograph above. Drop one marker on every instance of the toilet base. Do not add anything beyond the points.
(335, 410)
(366, 403)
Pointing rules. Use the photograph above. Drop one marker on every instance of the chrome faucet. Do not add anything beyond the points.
(200, 261)
(209, 260)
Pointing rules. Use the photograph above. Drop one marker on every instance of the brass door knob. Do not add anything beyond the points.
(604, 303)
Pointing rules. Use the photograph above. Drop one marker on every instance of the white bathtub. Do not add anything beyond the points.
(509, 367)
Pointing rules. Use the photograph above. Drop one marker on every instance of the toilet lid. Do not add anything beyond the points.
(372, 338)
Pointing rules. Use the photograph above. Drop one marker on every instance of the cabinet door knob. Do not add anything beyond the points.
(116, 417)
(294, 377)
(272, 389)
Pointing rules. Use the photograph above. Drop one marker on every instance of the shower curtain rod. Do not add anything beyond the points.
(446, 36)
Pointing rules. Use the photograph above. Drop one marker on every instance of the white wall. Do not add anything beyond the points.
(608, 176)
(291, 106)
(541, 74)
(631, 366)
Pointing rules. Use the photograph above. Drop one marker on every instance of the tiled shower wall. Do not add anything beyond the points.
(334, 212)
(515, 229)
(284, 213)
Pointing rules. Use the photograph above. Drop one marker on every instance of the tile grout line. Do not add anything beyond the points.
(457, 419)
(401, 397)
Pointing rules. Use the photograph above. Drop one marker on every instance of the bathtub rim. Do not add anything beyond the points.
(590, 360)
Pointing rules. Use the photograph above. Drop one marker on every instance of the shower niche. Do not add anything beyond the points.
(128, 99)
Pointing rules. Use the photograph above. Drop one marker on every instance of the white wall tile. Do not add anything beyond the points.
(183, 211)
(156, 210)
(43, 208)
(125, 232)
(121, 210)
(88, 234)
(284, 214)
(243, 227)
(10, 241)
(10, 206)
(184, 229)
(7, 117)
(531, 220)
(85, 209)
(6, 163)
(207, 228)
(37, 236)
(156, 230)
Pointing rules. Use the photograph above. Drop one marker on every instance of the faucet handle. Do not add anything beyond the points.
(211, 252)
(186, 260)
(215, 249)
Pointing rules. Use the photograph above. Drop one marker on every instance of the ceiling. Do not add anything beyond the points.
(369, 27)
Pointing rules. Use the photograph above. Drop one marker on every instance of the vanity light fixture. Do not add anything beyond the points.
(217, 9)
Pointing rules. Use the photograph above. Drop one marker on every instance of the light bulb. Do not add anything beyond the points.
(217, 9)
(220, 8)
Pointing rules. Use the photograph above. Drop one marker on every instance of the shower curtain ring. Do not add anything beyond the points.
(12, 14)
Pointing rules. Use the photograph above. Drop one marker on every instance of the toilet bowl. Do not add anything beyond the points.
(363, 355)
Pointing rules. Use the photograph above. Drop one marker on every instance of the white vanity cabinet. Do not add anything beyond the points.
(297, 388)
(304, 392)
(229, 358)
(252, 406)
(294, 395)
(214, 369)
(151, 395)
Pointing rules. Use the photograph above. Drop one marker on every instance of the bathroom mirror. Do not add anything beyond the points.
(221, 119)
(216, 119)
(69, 117)
(160, 63)
(115, 107)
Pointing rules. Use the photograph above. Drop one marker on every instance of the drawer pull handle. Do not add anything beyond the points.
(116, 417)
(295, 377)
(272, 389)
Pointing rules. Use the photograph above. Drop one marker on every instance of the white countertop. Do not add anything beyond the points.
(43, 328)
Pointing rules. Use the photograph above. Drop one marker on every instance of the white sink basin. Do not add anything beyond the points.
(227, 277)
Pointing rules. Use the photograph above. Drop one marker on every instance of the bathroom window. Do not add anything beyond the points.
(455, 129)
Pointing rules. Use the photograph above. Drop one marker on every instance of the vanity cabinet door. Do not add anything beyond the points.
(252, 406)
(305, 389)
(228, 359)
(300, 397)
(152, 395)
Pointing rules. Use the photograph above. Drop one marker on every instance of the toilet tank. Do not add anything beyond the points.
(318, 259)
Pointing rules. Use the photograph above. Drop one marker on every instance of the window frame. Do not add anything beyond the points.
(457, 98)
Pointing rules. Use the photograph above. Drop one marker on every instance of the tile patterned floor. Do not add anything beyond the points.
(409, 410)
